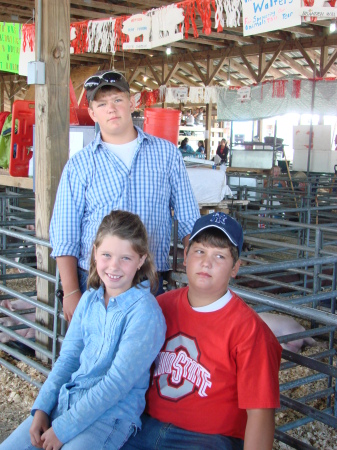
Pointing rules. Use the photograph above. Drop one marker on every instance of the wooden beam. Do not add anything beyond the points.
(249, 50)
(219, 65)
(201, 75)
(305, 55)
(248, 65)
(134, 72)
(51, 133)
(171, 72)
(156, 77)
(264, 72)
(328, 65)
(276, 73)
(295, 65)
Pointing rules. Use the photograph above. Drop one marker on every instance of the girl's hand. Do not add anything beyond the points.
(50, 441)
(39, 425)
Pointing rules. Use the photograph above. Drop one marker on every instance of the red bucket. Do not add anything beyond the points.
(163, 123)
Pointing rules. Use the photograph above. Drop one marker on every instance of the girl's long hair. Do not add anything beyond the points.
(127, 226)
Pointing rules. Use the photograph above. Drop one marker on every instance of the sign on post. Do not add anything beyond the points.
(10, 42)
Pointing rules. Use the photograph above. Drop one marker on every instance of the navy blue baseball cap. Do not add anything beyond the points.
(223, 222)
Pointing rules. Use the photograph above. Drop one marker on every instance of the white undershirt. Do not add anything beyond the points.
(124, 152)
(215, 306)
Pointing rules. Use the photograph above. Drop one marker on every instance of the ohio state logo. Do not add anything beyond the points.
(178, 372)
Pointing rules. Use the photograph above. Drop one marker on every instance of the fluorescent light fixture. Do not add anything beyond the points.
(332, 27)
(168, 51)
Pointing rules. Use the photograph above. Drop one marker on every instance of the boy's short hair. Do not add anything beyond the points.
(218, 224)
(213, 237)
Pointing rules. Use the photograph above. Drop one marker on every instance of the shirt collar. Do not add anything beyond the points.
(98, 143)
(127, 299)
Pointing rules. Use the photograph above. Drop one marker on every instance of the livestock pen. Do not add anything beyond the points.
(289, 267)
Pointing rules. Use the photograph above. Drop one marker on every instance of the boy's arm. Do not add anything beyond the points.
(260, 429)
(67, 266)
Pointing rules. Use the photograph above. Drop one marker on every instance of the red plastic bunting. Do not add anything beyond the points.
(296, 89)
(204, 9)
(28, 36)
(279, 87)
(79, 43)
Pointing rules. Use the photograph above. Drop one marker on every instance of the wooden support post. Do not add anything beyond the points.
(11, 94)
(208, 127)
(2, 96)
(209, 107)
(51, 131)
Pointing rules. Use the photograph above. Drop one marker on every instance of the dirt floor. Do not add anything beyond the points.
(17, 397)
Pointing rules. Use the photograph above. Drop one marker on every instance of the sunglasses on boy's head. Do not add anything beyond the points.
(107, 77)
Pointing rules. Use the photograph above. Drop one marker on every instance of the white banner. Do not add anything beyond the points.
(260, 16)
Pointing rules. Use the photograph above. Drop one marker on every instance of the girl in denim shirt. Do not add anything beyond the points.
(95, 393)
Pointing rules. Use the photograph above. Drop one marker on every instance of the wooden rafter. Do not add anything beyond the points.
(329, 64)
(271, 62)
(171, 72)
(201, 75)
(295, 65)
(305, 54)
(148, 61)
(219, 66)
(248, 65)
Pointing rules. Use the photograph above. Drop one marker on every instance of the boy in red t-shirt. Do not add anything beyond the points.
(215, 381)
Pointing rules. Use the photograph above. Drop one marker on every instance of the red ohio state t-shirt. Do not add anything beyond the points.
(213, 366)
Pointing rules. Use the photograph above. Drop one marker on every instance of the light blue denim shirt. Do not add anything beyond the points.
(95, 181)
(102, 372)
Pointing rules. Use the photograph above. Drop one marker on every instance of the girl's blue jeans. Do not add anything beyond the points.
(98, 436)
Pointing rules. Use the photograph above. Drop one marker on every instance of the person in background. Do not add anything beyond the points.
(185, 148)
(215, 381)
(273, 179)
(122, 168)
(222, 151)
(95, 393)
(201, 147)
(189, 120)
(199, 116)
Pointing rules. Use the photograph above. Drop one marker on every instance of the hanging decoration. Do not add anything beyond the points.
(204, 9)
(101, 36)
(157, 27)
(231, 8)
(28, 37)
(211, 94)
(269, 105)
(162, 93)
(196, 95)
(279, 88)
(296, 89)
(313, 10)
(189, 15)
(244, 94)
(78, 37)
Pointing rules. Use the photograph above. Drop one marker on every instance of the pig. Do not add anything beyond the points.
(137, 25)
(165, 21)
(282, 325)
(17, 305)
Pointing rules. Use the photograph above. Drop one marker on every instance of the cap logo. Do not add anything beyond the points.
(219, 218)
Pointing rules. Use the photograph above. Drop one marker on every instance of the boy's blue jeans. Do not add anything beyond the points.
(156, 435)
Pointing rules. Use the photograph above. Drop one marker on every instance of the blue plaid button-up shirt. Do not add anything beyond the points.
(95, 181)
(103, 370)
